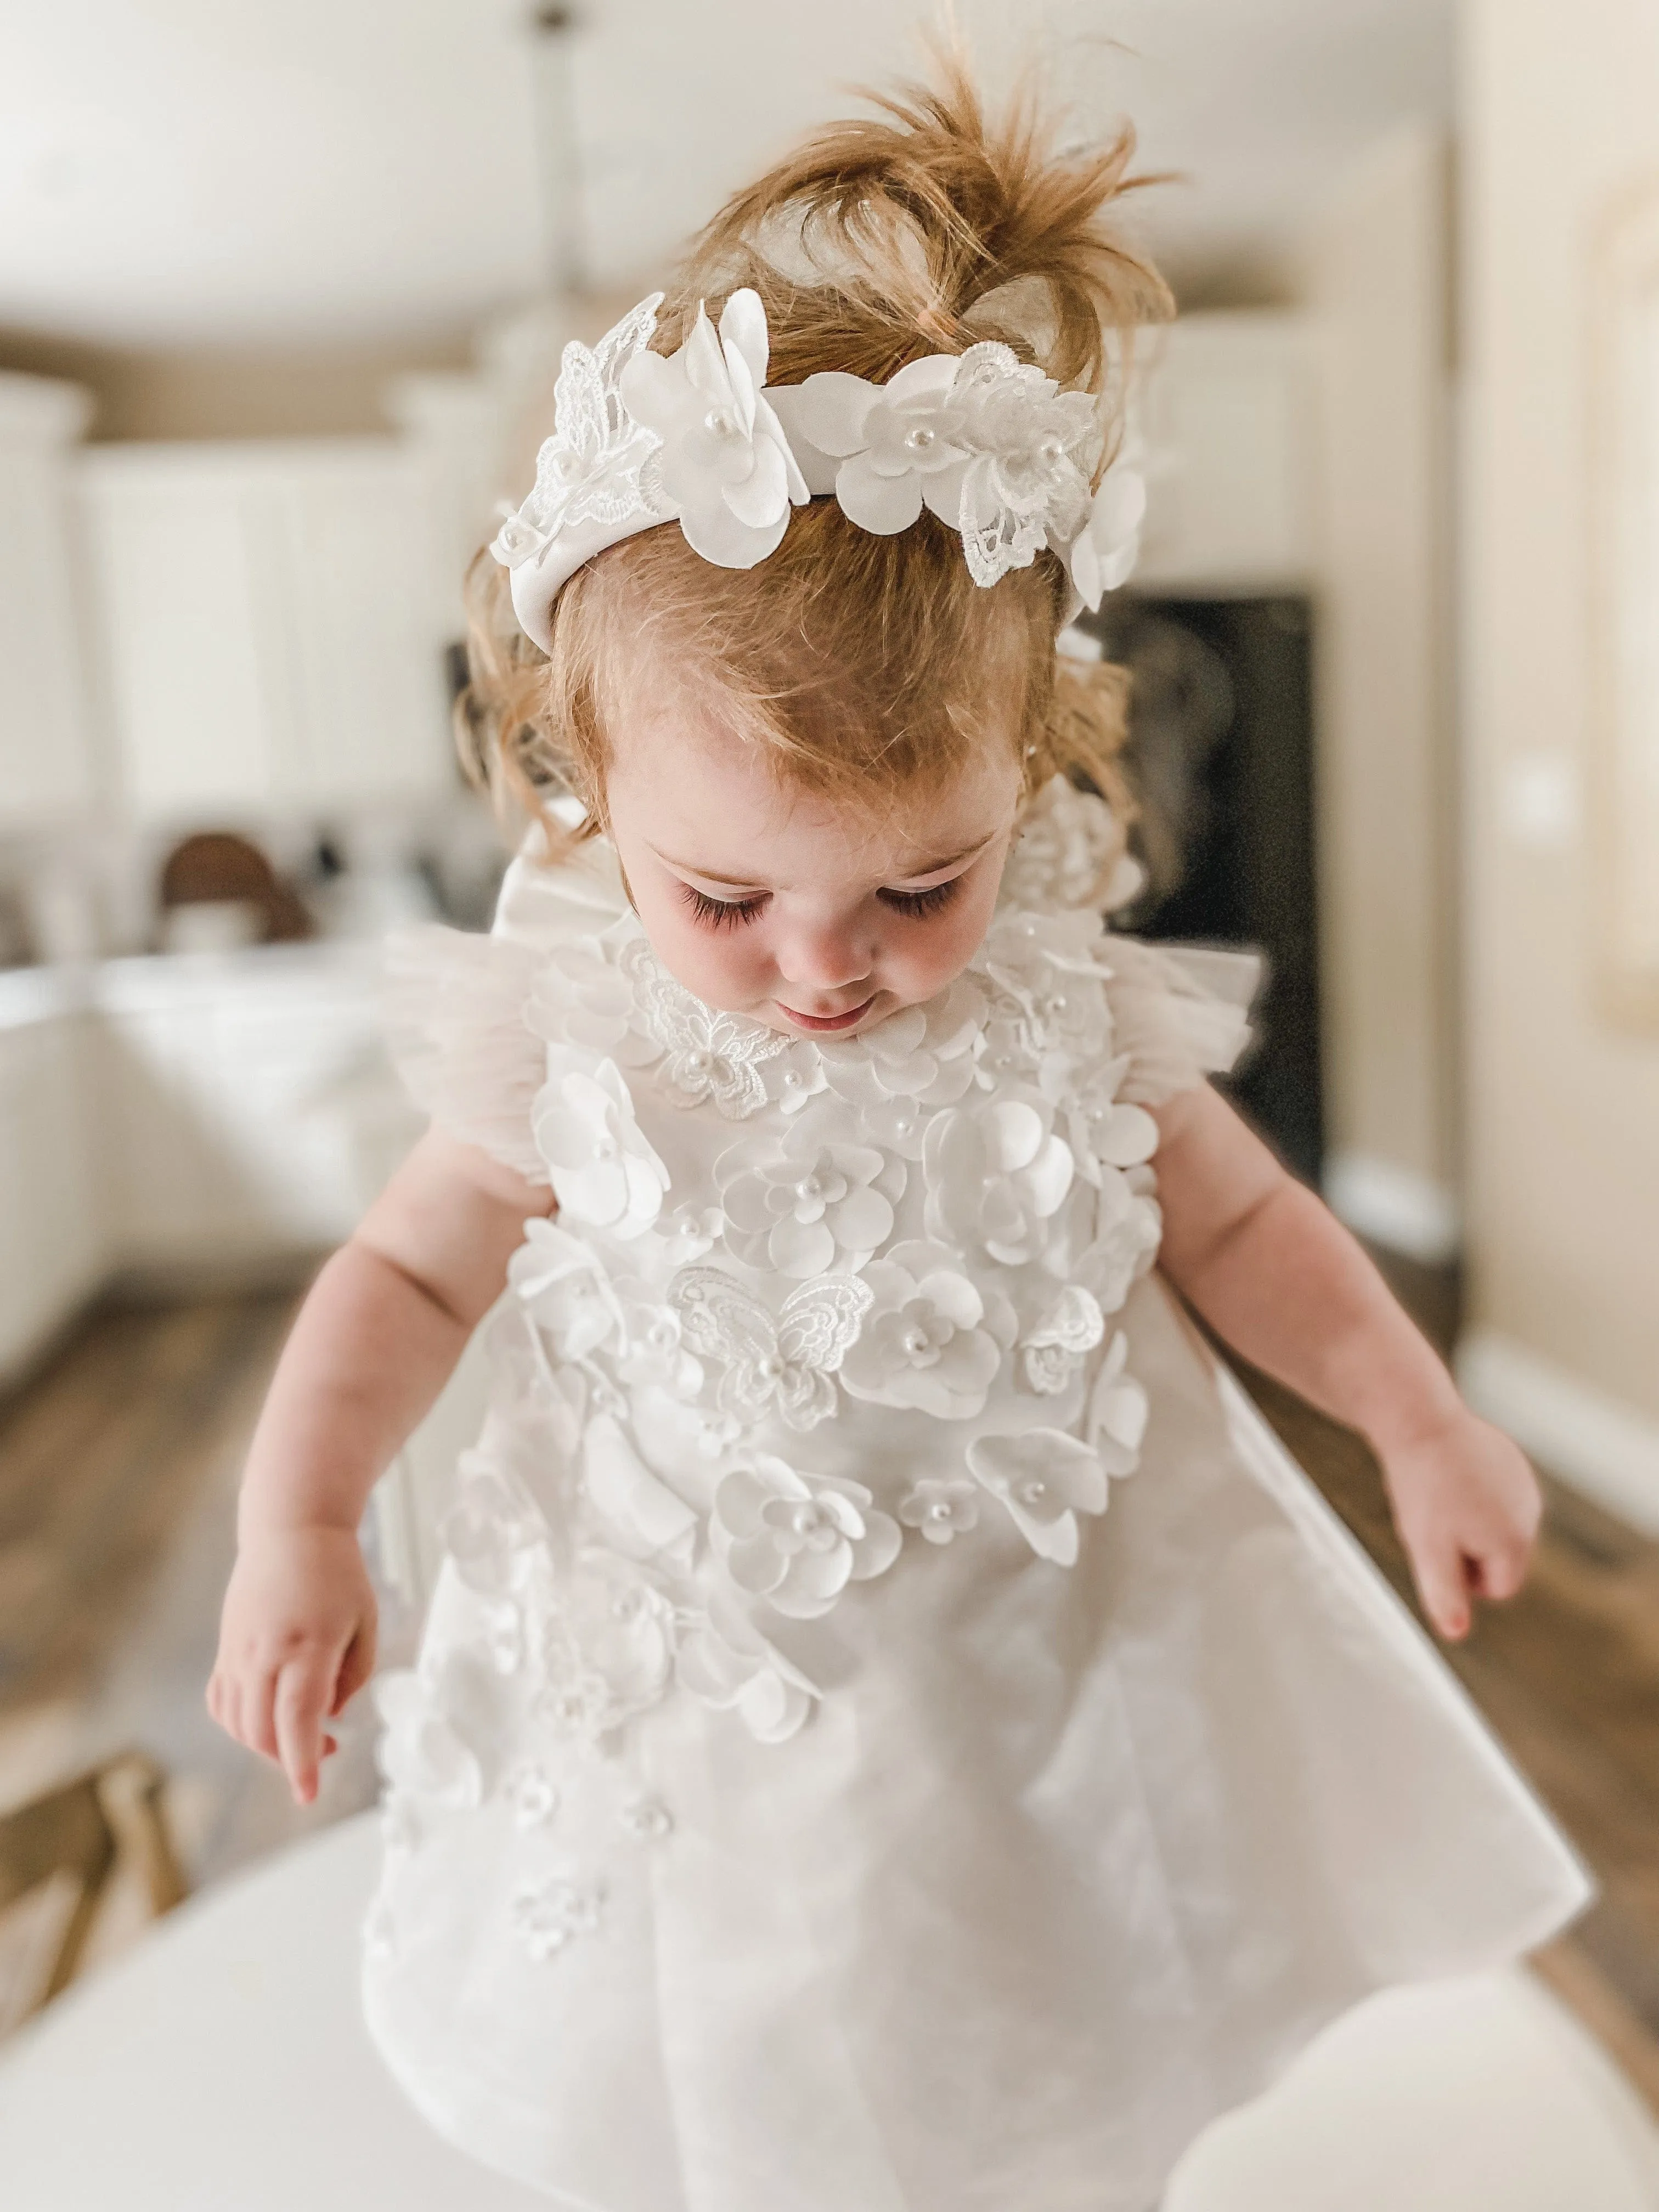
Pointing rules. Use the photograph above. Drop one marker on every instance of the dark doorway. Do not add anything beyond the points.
(1221, 755)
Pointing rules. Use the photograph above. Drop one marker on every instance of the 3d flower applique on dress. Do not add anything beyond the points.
(923, 1343)
(603, 1171)
(724, 460)
(641, 1512)
(921, 1056)
(446, 1729)
(581, 999)
(546, 1915)
(794, 1076)
(611, 1640)
(1071, 851)
(1106, 1131)
(562, 1284)
(685, 1235)
(529, 1788)
(1120, 1240)
(797, 1540)
(647, 1819)
(996, 1173)
(1118, 1409)
(943, 1507)
(492, 1530)
(726, 1662)
(653, 1350)
(1045, 1478)
(1051, 982)
(784, 1362)
(816, 1200)
(576, 1707)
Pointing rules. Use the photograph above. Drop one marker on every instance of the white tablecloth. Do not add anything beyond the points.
(222, 2067)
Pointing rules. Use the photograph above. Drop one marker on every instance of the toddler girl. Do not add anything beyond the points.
(895, 1732)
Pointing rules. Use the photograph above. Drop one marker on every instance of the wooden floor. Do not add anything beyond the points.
(117, 1473)
(119, 1469)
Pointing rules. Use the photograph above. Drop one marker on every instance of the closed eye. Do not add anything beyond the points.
(722, 914)
(920, 905)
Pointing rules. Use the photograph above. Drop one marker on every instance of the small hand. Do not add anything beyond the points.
(1466, 1505)
(296, 1642)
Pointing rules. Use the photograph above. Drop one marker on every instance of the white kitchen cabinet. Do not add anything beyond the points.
(53, 1225)
(1226, 421)
(273, 616)
(247, 1103)
(46, 756)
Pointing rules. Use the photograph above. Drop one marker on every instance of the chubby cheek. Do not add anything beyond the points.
(920, 958)
(728, 968)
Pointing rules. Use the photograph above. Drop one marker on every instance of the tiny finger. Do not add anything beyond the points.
(1503, 1571)
(1442, 1588)
(302, 1692)
(258, 1719)
(355, 1669)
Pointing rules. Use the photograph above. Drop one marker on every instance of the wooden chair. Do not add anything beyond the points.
(84, 1829)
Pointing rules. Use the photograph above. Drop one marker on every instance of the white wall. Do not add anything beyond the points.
(1377, 281)
(1561, 117)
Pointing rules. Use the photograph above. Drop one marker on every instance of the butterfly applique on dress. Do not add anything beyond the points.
(784, 1360)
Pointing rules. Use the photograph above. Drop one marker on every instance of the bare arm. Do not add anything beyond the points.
(375, 1341)
(1282, 1281)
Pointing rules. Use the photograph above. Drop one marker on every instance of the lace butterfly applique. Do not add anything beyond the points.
(706, 1054)
(784, 1360)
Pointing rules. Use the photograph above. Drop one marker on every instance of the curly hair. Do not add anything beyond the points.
(865, 665)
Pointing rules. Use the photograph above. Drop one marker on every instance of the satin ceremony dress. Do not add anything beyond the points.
(895, 1730)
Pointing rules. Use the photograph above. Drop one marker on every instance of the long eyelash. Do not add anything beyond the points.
(721, 914)
(920, 905)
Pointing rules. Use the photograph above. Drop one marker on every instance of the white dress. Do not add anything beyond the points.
(895, 1732)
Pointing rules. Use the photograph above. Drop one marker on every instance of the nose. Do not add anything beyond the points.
(827, 955)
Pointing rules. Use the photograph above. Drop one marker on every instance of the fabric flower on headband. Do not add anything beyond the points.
(991, 445)
(1104, 551)
(724, 462)
(896, 442)
(987, 441)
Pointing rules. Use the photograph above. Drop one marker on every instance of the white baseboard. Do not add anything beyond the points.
(1601, 1447)
(1394, 1206)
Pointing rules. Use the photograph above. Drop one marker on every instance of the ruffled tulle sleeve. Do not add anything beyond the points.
(456, 1004)
(1181, 1012)
(454, 1019)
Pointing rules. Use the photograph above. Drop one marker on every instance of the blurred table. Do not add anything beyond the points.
(222, 2066)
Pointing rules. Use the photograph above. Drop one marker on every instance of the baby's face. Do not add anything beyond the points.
(788, 909)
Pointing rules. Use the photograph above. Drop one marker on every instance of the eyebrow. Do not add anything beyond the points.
(748, 883)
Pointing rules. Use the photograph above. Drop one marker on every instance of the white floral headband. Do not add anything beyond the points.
(991, 445)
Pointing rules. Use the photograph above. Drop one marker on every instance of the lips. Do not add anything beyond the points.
(831, 1021)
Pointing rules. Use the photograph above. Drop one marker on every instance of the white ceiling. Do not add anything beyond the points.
(182, 173)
